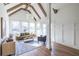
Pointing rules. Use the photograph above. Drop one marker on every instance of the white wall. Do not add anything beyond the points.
(20, 16)
(66, 24)
(3, 13)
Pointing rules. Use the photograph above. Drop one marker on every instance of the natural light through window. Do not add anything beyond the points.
(30, 27)
(25, 27)
(15, 27)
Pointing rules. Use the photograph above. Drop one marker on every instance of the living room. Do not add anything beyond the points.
(39, 29)
(22, 30)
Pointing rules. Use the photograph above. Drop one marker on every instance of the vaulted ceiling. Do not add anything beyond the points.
(37, 10)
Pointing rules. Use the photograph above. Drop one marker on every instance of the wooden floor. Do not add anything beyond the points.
(40, 51)
(61, 50)
(57, 50)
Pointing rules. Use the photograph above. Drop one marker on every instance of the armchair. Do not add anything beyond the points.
(42, 39)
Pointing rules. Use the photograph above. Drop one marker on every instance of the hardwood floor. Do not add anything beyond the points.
(61, 50)
(57, 50)
(40, 51)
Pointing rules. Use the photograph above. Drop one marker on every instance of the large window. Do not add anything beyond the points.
(38, 29)
(32, 27)
(25, 27)
(15, 27)
(44, 29)
(22, 27)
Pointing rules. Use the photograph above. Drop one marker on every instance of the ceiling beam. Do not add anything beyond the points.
(34, 18)
(41, 7)
(26, 10)
(27, 5)
(35, 11)
(10, 9)
(19, 10)
(6, 3)
(22, 9)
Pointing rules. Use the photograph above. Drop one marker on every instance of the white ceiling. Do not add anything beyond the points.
(37, 8)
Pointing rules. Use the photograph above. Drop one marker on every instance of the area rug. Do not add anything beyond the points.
(22, 48)
(34, 43)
